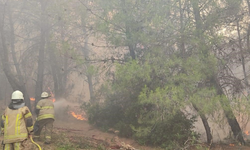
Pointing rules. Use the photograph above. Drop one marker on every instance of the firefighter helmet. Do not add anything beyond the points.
(17, 100)
(44, 95)
(17, 95)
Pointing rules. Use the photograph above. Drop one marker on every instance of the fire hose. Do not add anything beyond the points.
(35, 143)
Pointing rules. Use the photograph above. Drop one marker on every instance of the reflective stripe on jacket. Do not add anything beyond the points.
(15, 129)
(46, 107)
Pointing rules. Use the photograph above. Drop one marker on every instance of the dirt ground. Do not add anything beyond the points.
(77, 128)
(68, 129)
(84, 129)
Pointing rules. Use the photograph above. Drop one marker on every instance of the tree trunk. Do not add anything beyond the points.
(248, 35)
(205, 124)
(232, 121)
(129, 42)
(242, 55)
(132, 51)
(85, 50)
(225, 104)
(182, 43)
(59, 66)
(16, 64)
(248, 32)
(91, 90)
(40, 69)
(183, 55)
(59, 86)
(15, 84)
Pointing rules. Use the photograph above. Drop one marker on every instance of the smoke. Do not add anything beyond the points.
(59, 103)
(219, 131)
(219, 127)
(63, 107)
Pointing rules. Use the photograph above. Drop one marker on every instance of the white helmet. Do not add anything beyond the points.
(17, 95)
(44, 95)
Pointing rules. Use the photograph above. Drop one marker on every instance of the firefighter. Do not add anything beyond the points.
(17, 124)
(45, 117)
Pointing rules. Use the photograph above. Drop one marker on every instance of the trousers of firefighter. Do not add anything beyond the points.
(17, 123)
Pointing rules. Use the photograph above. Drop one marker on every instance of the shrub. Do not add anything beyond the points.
(176, 129)
(104, 115)
(146, 99)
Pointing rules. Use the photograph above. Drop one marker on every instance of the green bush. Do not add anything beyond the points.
(146, 99)
(103, 115)
(175, 129)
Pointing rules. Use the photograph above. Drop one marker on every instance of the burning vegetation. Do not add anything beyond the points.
(32, 99)
(140, 71)
(77, 116)
(52, 95)
(247, 132)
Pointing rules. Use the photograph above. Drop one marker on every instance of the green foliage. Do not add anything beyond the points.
(147, 99)
(64, 143)
(91, 70)
(103, 115)
(175, 69)
(65, 147)
(71, 142)
(174, 128)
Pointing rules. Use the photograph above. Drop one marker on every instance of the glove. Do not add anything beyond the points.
(30, 135)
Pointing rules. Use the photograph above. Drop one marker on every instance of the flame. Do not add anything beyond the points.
(231, 145)
(32, 99)
(77, 116)
(52, 95)
(247, 132)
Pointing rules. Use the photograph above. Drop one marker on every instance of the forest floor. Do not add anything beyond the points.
(84, 136)
(70, 133)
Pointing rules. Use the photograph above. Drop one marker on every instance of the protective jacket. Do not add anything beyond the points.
(45, 109)
(16, 124)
